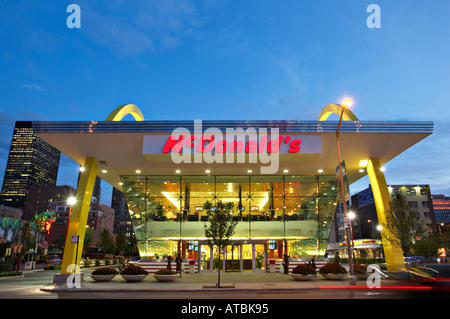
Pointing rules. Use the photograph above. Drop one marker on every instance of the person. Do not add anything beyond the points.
(286, 264)
(313, 263)
(169, 262)
(337, 259)
(179, 260)
(122, 263)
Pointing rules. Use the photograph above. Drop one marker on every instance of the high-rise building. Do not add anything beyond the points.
(31, 162)
(441, 206)
(47, 198)
(122, 219)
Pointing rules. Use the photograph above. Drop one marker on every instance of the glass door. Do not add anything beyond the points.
(232, 258)
(205, 257)
(259, 257)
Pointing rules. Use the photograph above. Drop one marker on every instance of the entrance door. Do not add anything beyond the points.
(259, 257)
(205, 258)
(232, 258)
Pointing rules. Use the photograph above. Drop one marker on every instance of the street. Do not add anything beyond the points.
(29, 287)
(13, 291)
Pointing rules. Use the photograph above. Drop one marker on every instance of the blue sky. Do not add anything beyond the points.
(181, 59)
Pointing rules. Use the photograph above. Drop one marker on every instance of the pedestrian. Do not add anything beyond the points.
(337, 259)
(179, 260)
(169, 262)
(286, 264)
(313, 263)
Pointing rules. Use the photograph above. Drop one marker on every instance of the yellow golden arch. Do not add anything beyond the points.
(123, 110)
(337, 109)
(79, 213)
(392, 252)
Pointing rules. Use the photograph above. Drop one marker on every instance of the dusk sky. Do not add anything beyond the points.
(249, 60)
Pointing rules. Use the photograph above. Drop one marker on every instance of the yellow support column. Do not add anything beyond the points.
(79, 216)
(80, 210)
(392, 253)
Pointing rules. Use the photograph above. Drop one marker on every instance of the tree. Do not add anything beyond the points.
(87, 240)
(403, 224)
(121, 243)
(220, 229)
(106, 242)
(427, 246)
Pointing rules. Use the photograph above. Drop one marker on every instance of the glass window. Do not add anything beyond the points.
(166, 208)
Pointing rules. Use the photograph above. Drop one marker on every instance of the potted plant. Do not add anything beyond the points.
(303, 272)
(133, 273)
(333, 271)
(165, 275)
(360, 271)
(104, 274)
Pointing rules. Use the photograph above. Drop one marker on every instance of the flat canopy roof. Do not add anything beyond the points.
(124, 147)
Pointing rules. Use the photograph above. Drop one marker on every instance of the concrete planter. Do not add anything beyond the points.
(362, 276)
(165, 277)
(133, 278)
(331, 276)
(102, 278)
(302, 277)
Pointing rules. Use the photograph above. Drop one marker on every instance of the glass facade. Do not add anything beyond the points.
(168, 209)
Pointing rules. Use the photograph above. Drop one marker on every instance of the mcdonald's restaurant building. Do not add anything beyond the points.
(276, 178)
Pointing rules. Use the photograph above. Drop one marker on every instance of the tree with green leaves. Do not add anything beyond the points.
(219, 230)
(87, 240)
(106, 242)
(403, 224)
(121, 243)
(427, 246)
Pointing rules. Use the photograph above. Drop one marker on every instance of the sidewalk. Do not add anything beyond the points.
(207, 281)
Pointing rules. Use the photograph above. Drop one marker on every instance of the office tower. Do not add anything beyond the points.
(97, 191)
(122, 220)
(31, 162)
(441, 206)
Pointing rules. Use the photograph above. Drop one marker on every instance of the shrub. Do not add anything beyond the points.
(134, 270)
(10, 273)
(165, 272)
(304, 270)
(332, 268)
(105, 271)
(360, 268)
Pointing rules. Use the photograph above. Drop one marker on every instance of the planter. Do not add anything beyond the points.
(133, 278)
(101, 278)
(165, 277)
(362, 276)
(302, 277)
(331, 276)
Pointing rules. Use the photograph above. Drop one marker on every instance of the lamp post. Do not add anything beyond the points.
(351, 216)
(346, 103)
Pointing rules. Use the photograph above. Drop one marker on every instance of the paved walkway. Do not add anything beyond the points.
(207, 281)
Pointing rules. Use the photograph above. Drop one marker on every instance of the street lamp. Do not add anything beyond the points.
(351, 216)
(345, 104)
